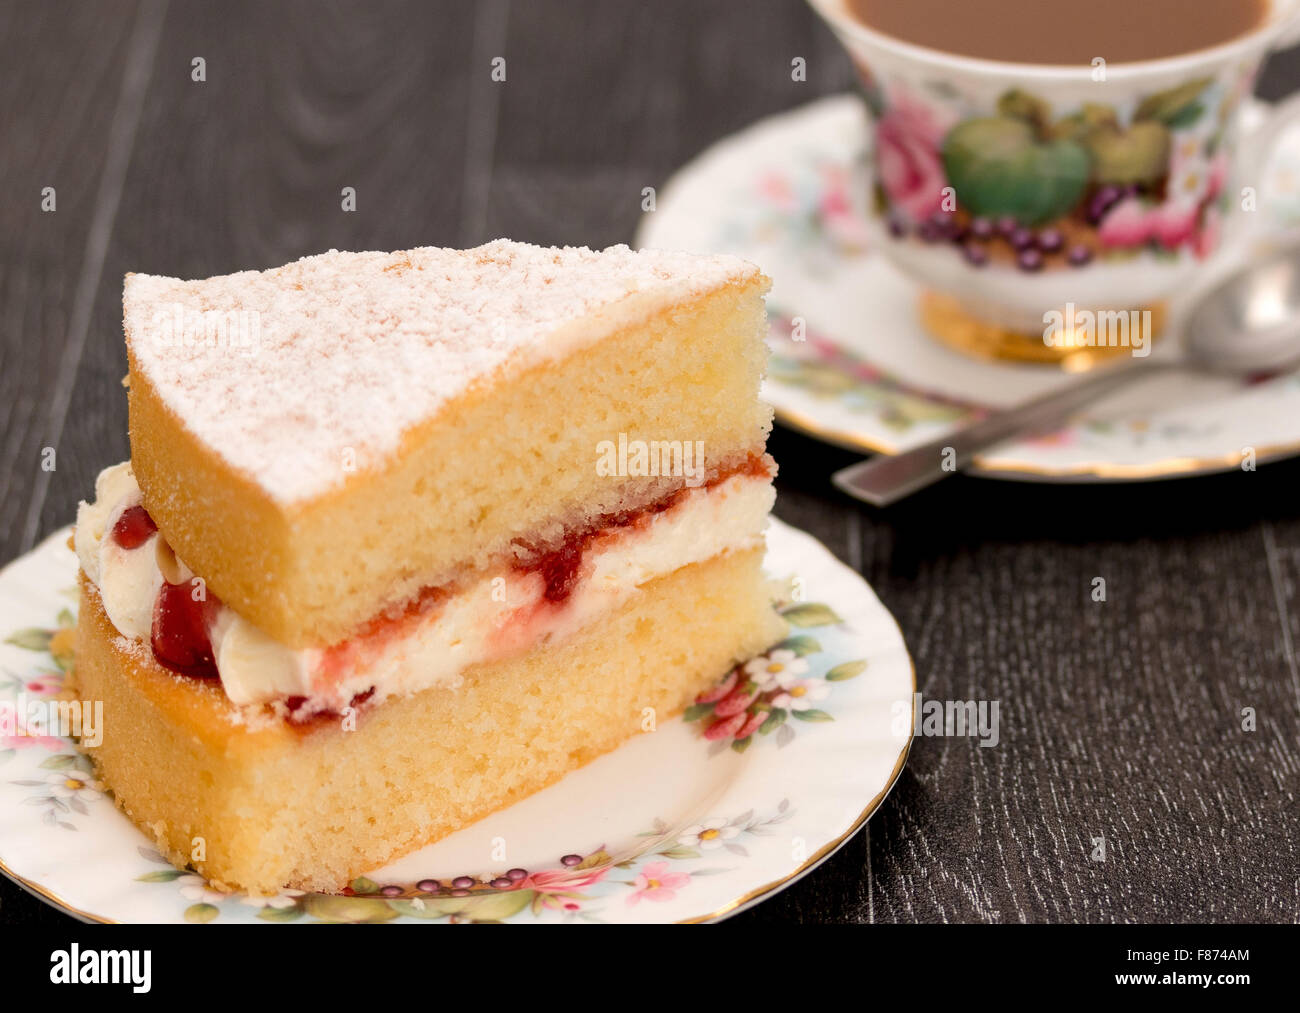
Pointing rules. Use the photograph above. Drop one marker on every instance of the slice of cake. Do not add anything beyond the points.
(407, 537)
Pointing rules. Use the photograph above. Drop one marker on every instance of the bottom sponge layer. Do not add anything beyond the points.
(263, 807)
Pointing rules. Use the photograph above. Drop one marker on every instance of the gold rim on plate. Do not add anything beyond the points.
(52, 897)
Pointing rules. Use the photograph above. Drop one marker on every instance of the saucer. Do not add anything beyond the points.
(851, 363)
(685, 823)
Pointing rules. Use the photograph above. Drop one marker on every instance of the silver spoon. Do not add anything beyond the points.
(1247, 324)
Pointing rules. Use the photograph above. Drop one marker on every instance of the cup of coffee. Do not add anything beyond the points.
(1051, 170)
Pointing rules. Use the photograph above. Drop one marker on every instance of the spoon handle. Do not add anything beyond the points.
(885, 478)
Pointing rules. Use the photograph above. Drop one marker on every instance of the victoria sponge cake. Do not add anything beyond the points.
(405, 537)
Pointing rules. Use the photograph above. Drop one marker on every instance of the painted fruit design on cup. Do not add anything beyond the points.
(1028, 186)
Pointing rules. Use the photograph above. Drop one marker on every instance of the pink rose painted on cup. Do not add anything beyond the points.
(1128, 223)
(1174, 222)
(908, 164)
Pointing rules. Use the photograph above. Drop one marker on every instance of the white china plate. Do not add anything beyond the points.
(671, 827)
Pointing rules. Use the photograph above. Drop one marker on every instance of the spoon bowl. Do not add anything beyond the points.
(1248, 324)
(1250, 321)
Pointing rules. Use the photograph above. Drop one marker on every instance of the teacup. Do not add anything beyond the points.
(1030, 199)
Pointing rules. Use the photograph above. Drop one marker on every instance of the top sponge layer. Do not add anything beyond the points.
(324, 442)
(296, 376)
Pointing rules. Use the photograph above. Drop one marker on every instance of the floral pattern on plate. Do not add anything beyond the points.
(825, 370)
(760, 696)
(666, 828)
(578, 887)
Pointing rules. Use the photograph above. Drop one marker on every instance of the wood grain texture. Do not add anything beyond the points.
(246, 169)
(1119, 719)
(57, 115)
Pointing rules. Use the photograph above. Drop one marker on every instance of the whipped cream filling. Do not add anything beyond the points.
(503, 613)
(128, 579)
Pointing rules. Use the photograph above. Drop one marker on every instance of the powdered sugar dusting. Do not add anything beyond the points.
(287, 372)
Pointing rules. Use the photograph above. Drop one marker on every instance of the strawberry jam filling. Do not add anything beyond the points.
(560, 565)
(181, 612)
(560, 570)
(179, 638)
(302, 717)
(133, 528)
(184, 613)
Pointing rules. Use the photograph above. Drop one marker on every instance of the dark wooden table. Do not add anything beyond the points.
(1119, 720)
